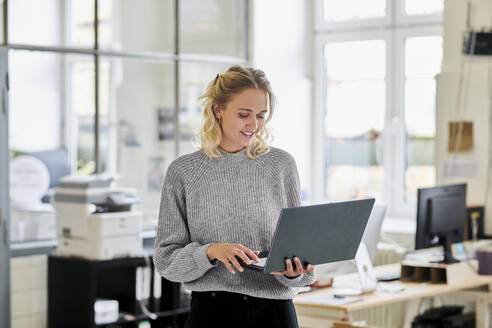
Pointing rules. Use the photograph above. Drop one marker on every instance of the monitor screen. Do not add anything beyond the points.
(441, 211)
(447, 213)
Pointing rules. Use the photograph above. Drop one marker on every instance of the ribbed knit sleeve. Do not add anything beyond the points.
(176, 257)
(292, 191)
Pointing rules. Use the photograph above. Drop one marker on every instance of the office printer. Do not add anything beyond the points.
(95, 220)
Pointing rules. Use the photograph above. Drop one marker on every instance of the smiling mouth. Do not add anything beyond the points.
(248, 134)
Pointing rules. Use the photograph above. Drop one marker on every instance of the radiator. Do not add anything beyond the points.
(389, 253)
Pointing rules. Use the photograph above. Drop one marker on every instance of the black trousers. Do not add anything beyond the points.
(225, 309)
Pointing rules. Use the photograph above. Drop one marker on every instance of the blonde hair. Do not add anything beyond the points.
(219, 92)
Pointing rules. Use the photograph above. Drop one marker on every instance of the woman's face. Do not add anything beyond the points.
(243, 116)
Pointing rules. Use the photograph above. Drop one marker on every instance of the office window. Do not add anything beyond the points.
(195, 78)
(146, 26)
(2, 41)
(338, 11)
(81, 99)
(375, 99)
(355, 107)
(114, 105)
(52, 23)
(214, 27)
(423, 7)
(422, 63)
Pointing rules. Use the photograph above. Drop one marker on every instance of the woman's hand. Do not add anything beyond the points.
(293, 272)
(226, 253)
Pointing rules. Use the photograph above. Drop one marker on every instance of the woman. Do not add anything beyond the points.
(222, 202)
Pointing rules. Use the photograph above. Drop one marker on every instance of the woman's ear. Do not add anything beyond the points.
(215, 109)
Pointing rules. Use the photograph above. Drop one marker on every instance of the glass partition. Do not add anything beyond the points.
(214, 27)
(138, 125)
(52, 23)
(194, 80)
(146, 26)
(48, 91)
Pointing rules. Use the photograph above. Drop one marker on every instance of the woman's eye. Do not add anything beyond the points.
(261, 117)
(243, 115)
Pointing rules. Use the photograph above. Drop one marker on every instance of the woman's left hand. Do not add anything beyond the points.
(296, 270)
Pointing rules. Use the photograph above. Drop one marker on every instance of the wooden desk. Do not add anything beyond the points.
(312, 314)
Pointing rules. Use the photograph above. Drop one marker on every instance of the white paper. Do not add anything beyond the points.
(328, 300)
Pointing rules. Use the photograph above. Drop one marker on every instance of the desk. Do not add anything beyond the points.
(311, 314)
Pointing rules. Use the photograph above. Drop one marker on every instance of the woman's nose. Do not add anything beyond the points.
(253, 124)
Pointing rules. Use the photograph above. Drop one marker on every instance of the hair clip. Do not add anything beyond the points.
(217, 76)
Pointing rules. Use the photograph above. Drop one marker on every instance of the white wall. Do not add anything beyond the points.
(282, 47)
(476, 83)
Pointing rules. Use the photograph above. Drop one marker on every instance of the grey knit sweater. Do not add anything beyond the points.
(232, 199)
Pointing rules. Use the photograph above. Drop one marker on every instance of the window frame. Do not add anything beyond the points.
(69, 131)
(394, 29)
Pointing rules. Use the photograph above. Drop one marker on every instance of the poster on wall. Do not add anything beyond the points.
(155, 174)
(165, 119)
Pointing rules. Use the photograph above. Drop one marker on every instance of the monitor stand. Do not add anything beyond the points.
(367, 277)
(445, 241)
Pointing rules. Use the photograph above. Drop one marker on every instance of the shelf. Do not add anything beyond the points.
(75, 284)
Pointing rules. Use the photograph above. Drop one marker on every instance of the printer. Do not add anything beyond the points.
(95, 220)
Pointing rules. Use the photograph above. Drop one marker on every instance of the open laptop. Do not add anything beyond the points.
(316, 234)
(325, 272)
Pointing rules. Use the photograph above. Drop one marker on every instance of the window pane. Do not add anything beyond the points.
(46, 27)
(423, 7)
(35, 99)
(420, 111)
(81, 99)
(353, 124)
(194, 80)
(134, 94)
(45, 89)
(337, 11)
(137, 26)
(1, 23)
(214, 27)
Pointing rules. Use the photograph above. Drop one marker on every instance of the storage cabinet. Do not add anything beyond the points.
(74, 285)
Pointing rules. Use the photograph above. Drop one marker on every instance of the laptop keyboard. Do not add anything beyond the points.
(261, 262)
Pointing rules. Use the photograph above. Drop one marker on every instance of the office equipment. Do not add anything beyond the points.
(441, 217)
(318, 233)
(433, 317)
(367, 277)
(96, 222)
(105, 311)
(314, 314)
(74, 285)
(478, 43)
(389, 277)
(325, 272)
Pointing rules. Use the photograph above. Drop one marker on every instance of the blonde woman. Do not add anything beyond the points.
(223, 202)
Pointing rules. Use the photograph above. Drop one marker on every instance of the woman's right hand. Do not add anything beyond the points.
(226, 253)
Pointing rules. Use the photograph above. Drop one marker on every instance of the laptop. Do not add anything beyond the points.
(316, 234)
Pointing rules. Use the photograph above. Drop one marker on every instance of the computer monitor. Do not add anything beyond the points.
(441, 217)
